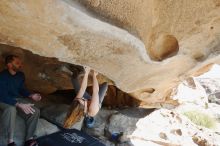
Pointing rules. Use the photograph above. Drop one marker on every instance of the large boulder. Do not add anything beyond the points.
(202, 87)
(137, 127)
(165, 127)
(86, 34)
(192, 23)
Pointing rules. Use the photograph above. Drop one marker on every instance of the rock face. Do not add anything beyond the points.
(176, 130)
(141, 127)
(201, 88)
(181, 35)
(111, 122)
(151, 19)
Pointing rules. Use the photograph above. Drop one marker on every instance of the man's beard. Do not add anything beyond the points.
(15, 69)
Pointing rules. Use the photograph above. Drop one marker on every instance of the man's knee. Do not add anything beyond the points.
(10, 109)
(37, 112)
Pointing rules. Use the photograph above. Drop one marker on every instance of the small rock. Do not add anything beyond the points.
(179, 132)
(176, 132)
(95, 3)
(199, 141)
(179, 119)
(163, 136)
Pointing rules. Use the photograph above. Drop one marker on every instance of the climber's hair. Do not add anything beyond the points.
(10, 58)
(74, 114)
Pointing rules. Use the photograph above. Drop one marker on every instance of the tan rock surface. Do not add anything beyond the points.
(69, 32)
(150, 19)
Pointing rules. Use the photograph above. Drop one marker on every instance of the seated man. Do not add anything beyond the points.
(80, 105)
(12, 87)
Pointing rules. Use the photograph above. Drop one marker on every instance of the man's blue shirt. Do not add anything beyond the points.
(12, 87)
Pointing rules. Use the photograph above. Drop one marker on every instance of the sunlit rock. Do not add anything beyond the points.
(115, 38)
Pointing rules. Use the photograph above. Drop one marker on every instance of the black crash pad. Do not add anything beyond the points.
(69, 137)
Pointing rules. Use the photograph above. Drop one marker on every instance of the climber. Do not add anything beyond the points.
(84, 104)
(12, 87)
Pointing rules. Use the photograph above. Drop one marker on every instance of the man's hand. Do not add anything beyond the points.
(35, 97)
(26, 108)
